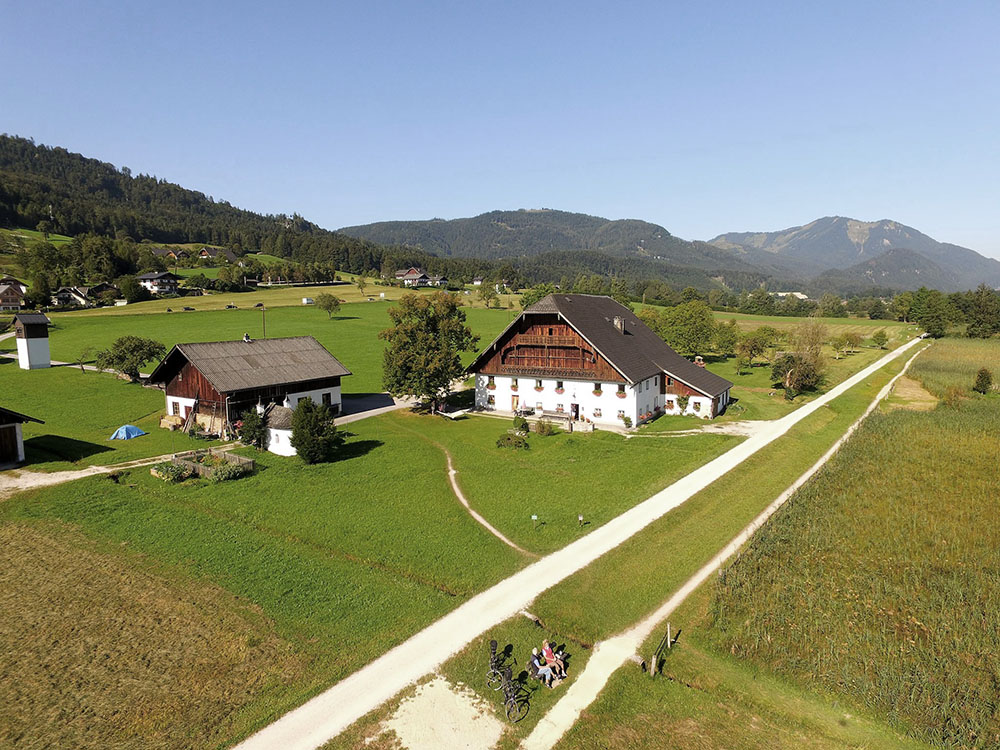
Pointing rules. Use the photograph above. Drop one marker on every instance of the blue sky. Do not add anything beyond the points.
(703, 117)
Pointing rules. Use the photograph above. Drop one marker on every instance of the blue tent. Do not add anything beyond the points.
(126, 432)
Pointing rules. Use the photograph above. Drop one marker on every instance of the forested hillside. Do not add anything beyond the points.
(526, 233)
(63, 192)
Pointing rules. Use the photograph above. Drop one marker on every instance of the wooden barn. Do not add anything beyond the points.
(589, 358)
(214, 383)
(11, 439)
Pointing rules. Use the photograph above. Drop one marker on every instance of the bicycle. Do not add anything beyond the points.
(515, 698)
(494, 675)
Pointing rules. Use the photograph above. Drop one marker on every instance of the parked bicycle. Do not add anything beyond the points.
(494, 676)
(515, 697)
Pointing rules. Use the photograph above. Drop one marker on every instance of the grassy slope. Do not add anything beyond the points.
(892, 598)
(599, 475)
(318, 551)
(80, 412)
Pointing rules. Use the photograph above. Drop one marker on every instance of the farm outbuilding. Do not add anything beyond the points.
(11, 437)
(32, 333)
(213, 384)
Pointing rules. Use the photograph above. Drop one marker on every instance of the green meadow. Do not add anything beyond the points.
(351, 336)
(80, 412)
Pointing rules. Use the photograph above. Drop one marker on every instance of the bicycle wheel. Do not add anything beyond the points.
(517, 709)
(494, 679)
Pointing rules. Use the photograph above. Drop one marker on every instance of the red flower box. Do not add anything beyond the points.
(621, 394)
(597, 393)
(539, 389)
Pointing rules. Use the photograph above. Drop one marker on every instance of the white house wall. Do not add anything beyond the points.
(280, 442)
(574, 392)
(33, 354)
(181, 403)
(641, 399)
(291, 399)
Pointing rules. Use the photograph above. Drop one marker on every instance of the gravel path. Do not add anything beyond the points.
(328, 714)
(613, 653)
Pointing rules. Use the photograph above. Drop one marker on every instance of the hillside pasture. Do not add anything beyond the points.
(81, 411)
(351, 336)
(877, 583)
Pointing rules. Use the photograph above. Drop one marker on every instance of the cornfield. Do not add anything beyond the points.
(879, 581)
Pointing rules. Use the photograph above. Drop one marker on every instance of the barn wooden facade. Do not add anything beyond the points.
(215, 383)
(589, 358)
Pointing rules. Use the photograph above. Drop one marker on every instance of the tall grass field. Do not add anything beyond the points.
(879, 582)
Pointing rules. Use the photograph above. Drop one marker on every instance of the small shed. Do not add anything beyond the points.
(11, 438)
(32, 333)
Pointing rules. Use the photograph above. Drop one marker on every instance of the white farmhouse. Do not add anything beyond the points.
(160, 282)
(589, 358)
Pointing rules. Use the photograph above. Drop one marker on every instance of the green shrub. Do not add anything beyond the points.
(517, 442)
(628, 422)
(520, 424)
(682, 403)
(544, 428)
(984, 381)
(226, 471)
(253, 431)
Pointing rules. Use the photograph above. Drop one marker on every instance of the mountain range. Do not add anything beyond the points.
(832, 253)
(68, 193)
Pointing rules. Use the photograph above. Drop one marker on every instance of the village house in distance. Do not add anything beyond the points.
(588, 357)
(213, 384)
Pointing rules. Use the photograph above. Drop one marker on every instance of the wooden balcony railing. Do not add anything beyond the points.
(546, 340)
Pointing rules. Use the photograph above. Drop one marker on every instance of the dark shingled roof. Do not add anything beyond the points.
(158, 275)
(279, 417)
(32, 319)
(7, 416)
(242, 365)
(637, 353)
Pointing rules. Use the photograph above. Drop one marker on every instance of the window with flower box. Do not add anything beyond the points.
(491, 400)
(559, 408)
(621, 391)
(490, 382)
(513, 384)
(597, 389)
(559, 387)
(597, 413)
(538, 385)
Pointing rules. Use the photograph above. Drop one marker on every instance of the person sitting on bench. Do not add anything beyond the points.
(539, 669)
(552, 660)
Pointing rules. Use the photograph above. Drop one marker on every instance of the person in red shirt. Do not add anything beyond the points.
(551, 660)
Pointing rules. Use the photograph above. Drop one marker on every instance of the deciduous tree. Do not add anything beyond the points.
(128, 354)
(328, 303)
(425, 342)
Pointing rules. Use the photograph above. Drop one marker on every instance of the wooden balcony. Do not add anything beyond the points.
(525, 340)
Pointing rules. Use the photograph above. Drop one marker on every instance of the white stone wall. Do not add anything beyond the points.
(181, 402)
(641, 399)
(33, 354)
(580, 392)
(291, 399)
(280, 442)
